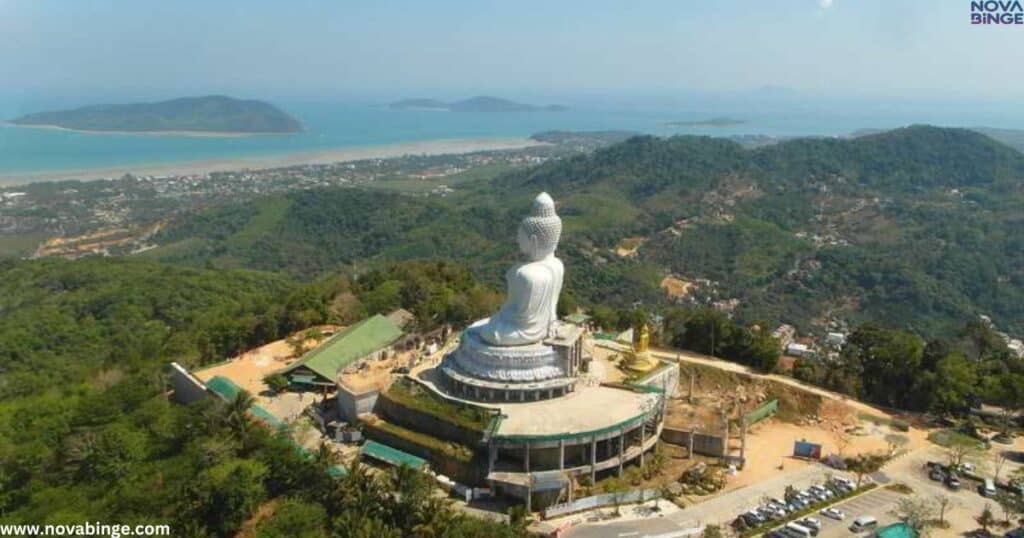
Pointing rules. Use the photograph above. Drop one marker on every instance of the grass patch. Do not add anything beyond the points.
(947, 438)
(270, 212)
(596, 210)
(452, 450)
(900, 487)
(411, 395)
(894, 423)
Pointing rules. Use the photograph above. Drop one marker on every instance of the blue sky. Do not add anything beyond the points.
(321, 49)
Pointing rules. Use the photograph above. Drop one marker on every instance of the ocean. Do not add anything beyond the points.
(343, 125)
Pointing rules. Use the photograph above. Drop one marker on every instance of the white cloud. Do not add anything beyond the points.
(825, 4)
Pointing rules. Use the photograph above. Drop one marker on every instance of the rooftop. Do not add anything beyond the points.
(588, 410)
(897, 530)
(393, 456)
(348, 346)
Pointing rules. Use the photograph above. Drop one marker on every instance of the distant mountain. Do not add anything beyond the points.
(1011, 137)
(480, 103)
(425, 104)
(720, 121)
(213, 114)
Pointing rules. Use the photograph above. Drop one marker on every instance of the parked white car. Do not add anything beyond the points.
(834, 513)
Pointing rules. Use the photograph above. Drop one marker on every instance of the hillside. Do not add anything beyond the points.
(88, 431)
(214, 114)
(912, 228)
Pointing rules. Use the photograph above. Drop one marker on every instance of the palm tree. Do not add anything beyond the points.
(237, 412)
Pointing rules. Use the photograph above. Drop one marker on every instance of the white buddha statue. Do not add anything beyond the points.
(533, 286)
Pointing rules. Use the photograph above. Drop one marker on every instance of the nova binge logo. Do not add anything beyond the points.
(997, 12)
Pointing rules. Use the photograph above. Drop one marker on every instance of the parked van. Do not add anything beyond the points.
(864, 523)
(988, 489)
(797, 531)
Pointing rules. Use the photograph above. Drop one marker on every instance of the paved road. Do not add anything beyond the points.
(718, 510)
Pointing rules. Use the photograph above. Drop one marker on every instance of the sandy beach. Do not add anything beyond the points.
(356, 153)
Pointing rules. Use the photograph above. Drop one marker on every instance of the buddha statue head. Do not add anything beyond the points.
(539, 232)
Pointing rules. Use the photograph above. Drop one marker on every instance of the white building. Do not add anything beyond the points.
(802, 351)
(835, 339)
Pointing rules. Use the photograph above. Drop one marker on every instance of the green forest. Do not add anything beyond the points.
(914, 228)
(88, 433)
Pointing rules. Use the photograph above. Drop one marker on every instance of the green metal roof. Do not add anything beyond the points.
(337, 471)
(897, 530)
(577, 318)
(391, 455)
(223, 387)
(266, 416)
(348, 346)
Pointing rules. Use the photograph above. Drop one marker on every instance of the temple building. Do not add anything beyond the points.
(544, 418)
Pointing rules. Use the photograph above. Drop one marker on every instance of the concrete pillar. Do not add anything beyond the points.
(561, 454)
(622, 449)
(492, 456)
(529, 495)
(593, 459)
(743, 443)
(526, 457)
(643, 434)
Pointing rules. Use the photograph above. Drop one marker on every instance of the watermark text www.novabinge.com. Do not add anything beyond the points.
(86, 529)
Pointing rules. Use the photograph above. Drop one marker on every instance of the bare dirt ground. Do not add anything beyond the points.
(676, 287)
(627, 247)
(723, 390)
(248, 370)
(377, 374)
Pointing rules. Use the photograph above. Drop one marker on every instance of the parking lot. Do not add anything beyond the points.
(877, 503)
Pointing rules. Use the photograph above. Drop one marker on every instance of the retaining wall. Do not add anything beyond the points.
(473, 472)
(417, 420)
(351, 404)
(703, 443)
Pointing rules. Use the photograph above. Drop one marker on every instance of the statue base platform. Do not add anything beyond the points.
(638, 363)
(479, 371)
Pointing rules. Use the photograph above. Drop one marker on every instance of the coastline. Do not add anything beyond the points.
(199, 134)
(345, 154)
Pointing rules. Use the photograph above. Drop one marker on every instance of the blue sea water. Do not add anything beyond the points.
(341, 125)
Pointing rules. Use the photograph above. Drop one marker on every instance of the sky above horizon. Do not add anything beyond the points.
(319, 49)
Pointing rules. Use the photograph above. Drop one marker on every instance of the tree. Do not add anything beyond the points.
(954, 381)
(294, 517)
(843, 439)
(961, 448)
(985, 518)
(664, 492)
(864, 464)
(944, 502)
(917, 512)
(1000, 460)
(1012, 505)
(276, 382)
(712, 531)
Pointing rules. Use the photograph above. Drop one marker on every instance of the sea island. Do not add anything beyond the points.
(721, 121)
(209, 115)
(480, 103)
